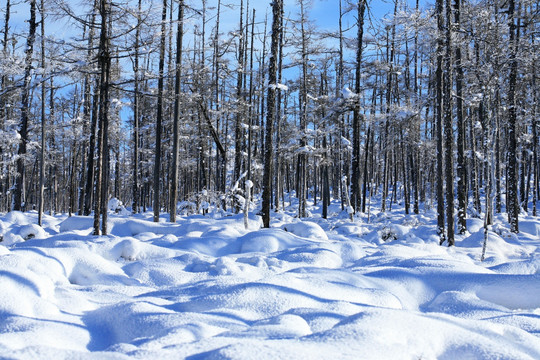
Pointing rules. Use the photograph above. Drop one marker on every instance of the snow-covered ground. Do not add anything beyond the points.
(206, 288)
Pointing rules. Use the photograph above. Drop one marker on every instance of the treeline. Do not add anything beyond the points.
(160, 102)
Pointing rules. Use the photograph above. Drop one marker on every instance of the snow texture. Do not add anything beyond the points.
(207, 288)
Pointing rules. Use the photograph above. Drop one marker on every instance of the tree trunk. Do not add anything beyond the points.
(355, 181)
(277, 6)
(536, 105)
(439, 116)
(461, 169)
(448, 129)
(43, 121)
(511, 183)
(89, 187)
(238, 129)
(102, 173)
(176, 119)
(159, 118)
(18, 191)
(136, 115)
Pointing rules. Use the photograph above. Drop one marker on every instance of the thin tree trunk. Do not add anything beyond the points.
(176, 119)
(511, 183)
(159, 118)
(439, 117)
(461, 169)
(89, 187)
(102, 173)
(238, 129)
(136, 115)
(270, 114)
(448, 129)
(355, 181)
(43, 122)
(536, 105)
(18, 191)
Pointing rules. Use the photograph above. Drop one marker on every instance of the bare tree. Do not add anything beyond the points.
(355, 181)
(18, 191)
(277, 7)
(439, 117)
(461, 169)
(512, 203)
(43, 120)
(159, 118)
(448, 129)
(176, 115)
(102, 168)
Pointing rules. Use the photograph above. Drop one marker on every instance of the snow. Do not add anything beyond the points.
(347, 93)
(207, 288)
(282, 87)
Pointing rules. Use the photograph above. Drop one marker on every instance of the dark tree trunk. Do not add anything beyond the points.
(102, 173)
(461, 169)
(439, 117)
(238, 129)
(136, 114)
(355, 181)
(159, 118)
(511, 183)
(18, 191)
(43, 121)
(89, 187)
(176, 119)
(536, 105)
(277, 7)
(448, 129)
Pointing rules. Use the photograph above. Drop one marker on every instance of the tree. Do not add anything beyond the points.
(43, 121)
(355, 181)
(277, 7)
(18, 191)
(90, 171)
(512, 203)
(136, 112)
(461, 169)
(102, 168)
(439, 116)
(176, 116)
(448, 129)
(159, 116)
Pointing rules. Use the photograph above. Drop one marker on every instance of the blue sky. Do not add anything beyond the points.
(325, 13)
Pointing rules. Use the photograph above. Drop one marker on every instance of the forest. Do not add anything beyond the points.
(183, 106)
(245, 179)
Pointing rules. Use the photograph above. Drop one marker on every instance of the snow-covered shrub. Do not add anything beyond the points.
(17, 218)
(306, 229)
(117, 207)
(387, 234)
(10, 238)
(32, 231)
(20, 233)
(390, 232)
(186, 208)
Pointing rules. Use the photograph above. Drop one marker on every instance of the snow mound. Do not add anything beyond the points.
(10, 238)
(306, 229)
(20, 233)
(269, 241)
(32, 231)
(116, 206)
(17, 218)
(77, 223)
(206, 287)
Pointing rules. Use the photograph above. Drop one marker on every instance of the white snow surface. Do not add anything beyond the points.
(207, 288)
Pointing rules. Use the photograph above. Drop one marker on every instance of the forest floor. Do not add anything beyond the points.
(207, 288)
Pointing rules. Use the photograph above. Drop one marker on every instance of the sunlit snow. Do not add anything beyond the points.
(207, 288)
